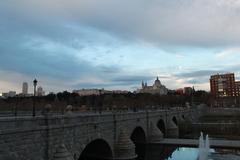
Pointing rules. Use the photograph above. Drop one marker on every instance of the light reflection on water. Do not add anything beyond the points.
(172, 153)
(184, 154)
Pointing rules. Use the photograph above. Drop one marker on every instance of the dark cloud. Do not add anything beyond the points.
(196, 81)
(200, 73)
(53, 38)
(202, 76)
(110, 69)
(157, 21)
(40, 63)
(132, 79)
(234, 68)
(121, 79)
(91, 85)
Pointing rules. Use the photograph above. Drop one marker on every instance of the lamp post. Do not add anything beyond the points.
(15, 108)
(99, 104)
(34, 94)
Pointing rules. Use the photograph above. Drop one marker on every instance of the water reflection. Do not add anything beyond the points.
(141, 150)
(184, 154)
(157, 152)
(165, 152)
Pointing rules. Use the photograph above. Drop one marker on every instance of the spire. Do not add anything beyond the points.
(142, 84)
(157, 77)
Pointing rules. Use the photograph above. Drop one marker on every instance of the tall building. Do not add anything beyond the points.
(156, 88)
(223, 85)
(237, 85)
(25, 88)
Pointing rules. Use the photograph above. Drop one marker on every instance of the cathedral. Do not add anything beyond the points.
(156, 88)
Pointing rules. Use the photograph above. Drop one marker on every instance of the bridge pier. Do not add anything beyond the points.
(62, 153)
(124, 148)
(155, 133)
(172, 129)
(181, 119)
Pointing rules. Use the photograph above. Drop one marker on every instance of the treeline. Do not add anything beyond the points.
(60, 100)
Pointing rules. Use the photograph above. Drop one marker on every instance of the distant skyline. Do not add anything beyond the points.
(109, 44)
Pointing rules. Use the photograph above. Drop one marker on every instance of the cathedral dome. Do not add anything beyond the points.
(157, 83)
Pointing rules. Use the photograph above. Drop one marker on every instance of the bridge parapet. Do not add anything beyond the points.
(29, 121)
(37, 138)
(222, 111)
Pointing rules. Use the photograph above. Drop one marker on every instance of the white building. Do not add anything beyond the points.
(87, 92)
(120, 91)
(9, 94)
(156, 88)
(25, 88)
(40, 91)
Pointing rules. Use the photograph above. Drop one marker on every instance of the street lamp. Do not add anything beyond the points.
(34, 85)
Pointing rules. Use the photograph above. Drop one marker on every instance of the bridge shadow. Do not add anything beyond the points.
(139, 139)
(174, 119)
(162, 127)
(97, 150)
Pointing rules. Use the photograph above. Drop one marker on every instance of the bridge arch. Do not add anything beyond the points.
(97, 149)
(174, 119)
(183, 117)
(162, 127)
(138, 137)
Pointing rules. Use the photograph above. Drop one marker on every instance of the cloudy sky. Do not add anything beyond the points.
(72, 44)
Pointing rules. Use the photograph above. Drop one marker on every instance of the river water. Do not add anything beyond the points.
(186, 153)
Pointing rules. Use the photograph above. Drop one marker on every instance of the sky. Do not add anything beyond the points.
(110, 44)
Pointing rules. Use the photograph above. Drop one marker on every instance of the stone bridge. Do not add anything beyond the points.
(78, 136)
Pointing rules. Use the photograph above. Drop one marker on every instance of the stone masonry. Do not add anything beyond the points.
(48, 137)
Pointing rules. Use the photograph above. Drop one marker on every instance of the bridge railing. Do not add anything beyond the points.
(19, 113)
(8, 122)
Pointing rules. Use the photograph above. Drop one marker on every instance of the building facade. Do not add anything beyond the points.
(179, 91)
(9, 94)
(223, 85)
(237, 85)
(156, 88)
(88, 92)
(40, 91)
(188, 90)
(185, 91)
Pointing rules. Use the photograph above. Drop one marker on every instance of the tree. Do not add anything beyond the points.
(50, 97)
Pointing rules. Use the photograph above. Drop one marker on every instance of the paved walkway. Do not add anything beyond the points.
(194, 143)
